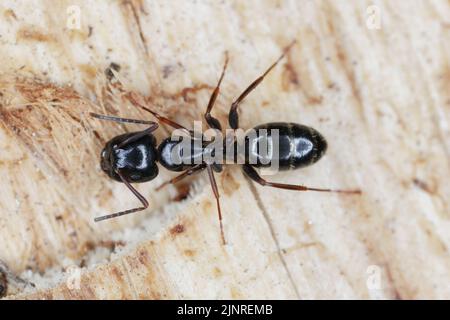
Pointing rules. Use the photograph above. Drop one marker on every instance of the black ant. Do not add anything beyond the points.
(133, 157)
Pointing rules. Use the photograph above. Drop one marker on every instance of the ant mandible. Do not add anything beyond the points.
(132, 157)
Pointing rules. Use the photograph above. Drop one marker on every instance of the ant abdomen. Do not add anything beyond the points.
(291, 145)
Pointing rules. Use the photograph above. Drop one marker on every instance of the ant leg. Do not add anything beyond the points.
(252, 174)
(160, 118)
(121, 213)
(186, 173)
(212, 180)
(120, 120)
(138, 135)
(213, 122)
(166, 121)
(233, 117)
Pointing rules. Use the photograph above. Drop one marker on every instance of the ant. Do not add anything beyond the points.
(132, 157)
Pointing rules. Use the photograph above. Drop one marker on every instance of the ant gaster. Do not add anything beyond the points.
(133, 157)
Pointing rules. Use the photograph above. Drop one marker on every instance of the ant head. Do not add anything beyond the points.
(136, 159)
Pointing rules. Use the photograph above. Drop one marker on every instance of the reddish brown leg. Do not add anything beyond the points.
(213, 122)
(183, 175)
(252, 174)
(121, 213)
(212, 180)
(233, 117)
(160, 118)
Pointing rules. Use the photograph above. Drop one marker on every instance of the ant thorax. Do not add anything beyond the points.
(254, 146)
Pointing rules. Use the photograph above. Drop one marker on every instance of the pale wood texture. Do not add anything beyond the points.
(380, 96)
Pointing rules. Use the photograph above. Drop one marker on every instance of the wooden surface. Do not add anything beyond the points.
(380, 96)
